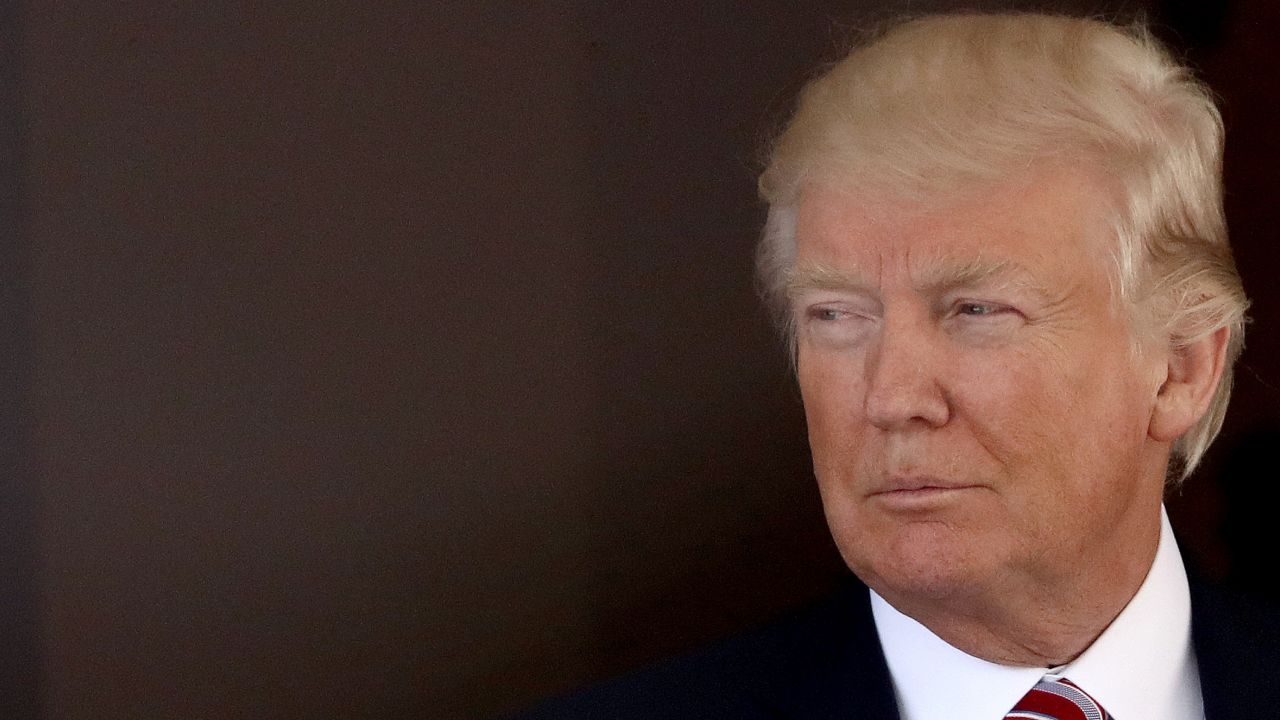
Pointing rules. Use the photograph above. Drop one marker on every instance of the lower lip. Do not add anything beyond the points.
(921, 498)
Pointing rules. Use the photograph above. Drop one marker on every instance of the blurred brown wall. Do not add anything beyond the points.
(402, 359)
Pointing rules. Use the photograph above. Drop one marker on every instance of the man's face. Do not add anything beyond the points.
(977, 411)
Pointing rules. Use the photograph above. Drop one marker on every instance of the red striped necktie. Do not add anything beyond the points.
(1057, 700)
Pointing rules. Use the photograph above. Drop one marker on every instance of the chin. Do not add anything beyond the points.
(901, 584)
(926, 562)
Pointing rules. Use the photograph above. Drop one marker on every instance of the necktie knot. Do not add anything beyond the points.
(1057, 699)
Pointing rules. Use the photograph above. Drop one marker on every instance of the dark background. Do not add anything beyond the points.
(402, 360)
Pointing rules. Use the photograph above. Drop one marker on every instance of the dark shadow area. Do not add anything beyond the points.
(19, 594)
(1199, 25)
(1249, 522)
(403, 360)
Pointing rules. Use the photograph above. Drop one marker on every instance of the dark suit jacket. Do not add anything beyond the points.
(826, 662)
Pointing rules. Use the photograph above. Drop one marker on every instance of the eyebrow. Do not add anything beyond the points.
(937, 276)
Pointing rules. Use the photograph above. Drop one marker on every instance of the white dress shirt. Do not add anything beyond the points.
(1142, 667)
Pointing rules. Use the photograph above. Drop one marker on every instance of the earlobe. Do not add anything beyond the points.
(1193, 374)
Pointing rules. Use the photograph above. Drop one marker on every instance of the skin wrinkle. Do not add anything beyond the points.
(1048, 420)
(908, 116)
(941, 274)
(1104, 241)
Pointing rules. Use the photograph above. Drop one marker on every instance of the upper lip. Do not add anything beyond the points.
(918, 482)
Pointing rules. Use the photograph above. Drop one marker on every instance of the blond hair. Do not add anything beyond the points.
(936, 104)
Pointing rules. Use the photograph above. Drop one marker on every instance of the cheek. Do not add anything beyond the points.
(837, 443)
(1086, 396)
(1018, 412)
(832, 394)
(1059, 430)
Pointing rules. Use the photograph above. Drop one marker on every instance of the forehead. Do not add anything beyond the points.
(1047, 220)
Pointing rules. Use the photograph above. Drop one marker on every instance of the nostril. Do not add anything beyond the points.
(904, 393)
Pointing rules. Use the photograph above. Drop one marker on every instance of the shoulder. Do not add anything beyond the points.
(1237, 645)
(1224, 621)
(808, 663)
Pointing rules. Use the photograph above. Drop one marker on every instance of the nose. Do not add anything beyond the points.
(903, 385)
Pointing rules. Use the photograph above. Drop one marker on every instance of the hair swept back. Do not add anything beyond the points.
(935, 104)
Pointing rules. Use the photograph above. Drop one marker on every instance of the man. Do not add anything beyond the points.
(996, 247)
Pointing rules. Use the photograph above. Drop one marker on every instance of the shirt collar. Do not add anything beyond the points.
(1141, 666)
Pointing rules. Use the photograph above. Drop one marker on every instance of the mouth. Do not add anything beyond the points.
(919, 493)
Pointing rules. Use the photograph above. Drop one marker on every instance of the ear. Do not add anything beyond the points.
(1193, 374)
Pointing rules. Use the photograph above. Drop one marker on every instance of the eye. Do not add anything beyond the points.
(982, 322)
(835, 325)
(835, 315)
(979, 309)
